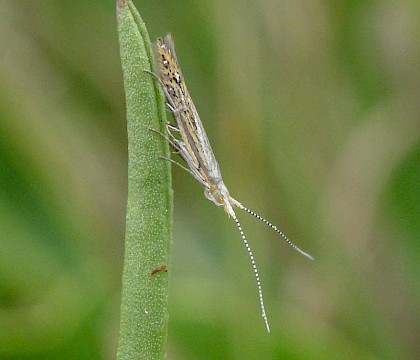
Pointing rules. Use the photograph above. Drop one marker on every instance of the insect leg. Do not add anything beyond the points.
(172, 142)
(170, 127)
(178, 146)
(177, 163)
(170, 103)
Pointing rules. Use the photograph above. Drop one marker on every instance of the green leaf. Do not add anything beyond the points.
(144, 313)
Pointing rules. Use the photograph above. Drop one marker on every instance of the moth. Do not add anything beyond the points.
(189, 140)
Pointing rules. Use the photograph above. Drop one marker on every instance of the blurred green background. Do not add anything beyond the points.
(313, 111)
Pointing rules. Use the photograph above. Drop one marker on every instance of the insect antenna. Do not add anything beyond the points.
(254, 267)
(249, 211)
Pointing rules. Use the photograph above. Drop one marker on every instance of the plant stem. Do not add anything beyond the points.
(144, 313)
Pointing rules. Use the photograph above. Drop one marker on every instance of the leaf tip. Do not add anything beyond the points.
(121, 3)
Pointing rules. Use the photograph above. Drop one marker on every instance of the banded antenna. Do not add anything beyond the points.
(251, 255)
(269, 224)
(254, 267)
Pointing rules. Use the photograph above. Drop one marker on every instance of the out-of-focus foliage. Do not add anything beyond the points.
(313, 111)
